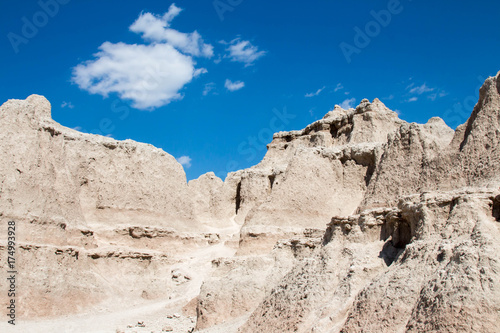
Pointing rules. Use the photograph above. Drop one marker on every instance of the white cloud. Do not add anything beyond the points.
(67, 105)
(419, 90)
(233, 86)
(209, 87)
(348, 103)
(315, 93)
(157, 29)
(185, 161)
(338, 87)
(243, 51)
(413, 99)
(150, 75)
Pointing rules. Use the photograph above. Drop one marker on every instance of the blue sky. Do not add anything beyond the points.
(209, 81)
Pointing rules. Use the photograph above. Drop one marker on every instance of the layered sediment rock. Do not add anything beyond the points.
(429, 264)
(359, 222)
(397, 228)
(101, 198)
(307, 176)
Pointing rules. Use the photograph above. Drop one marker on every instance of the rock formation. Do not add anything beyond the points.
(360, 222)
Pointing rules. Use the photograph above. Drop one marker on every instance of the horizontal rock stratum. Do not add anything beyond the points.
(360, 222)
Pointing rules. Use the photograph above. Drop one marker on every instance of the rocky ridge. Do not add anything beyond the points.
(360, 222)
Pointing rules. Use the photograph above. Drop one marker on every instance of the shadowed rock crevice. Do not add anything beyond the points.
(271, 180)
(369, 173)
(390, 253)
(396, 231)
(495, 208)
(237, 198)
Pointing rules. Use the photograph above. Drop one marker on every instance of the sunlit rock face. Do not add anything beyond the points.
(360, 222)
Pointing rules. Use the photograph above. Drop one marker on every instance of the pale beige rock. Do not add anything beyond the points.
(442, 273)
(416, 158)
(237, 285)
(307, 176)
(430, 157)
(412, 161)
(447, 277)
(214, 202)
(59, 175)
(97, 219)
(360, 222)
(441, 247)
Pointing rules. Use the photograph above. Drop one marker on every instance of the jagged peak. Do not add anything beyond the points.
(484, 120)
(364, 106)
(334, 120)
(376, 106)
(435, 120)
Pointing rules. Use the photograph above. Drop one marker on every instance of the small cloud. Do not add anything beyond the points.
(348, 103)
(157, 29)
(311, 112)
(243, 51)
(217, 60)
(233, 86)
(419, 90)
(412, 99)
(439, 94)
(209, 87)
(77, 128)
(347, 93)
(391, 97)
(338, 87)
(67, 105)
(315, 93)
(185, 161)
(200, 71)
(398, 112)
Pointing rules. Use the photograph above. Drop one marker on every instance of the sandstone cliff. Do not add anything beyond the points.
(343, 168)
(360, 222)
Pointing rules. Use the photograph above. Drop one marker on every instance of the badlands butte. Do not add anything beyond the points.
(360, 222)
